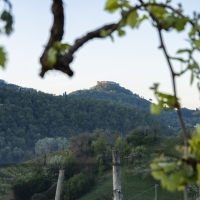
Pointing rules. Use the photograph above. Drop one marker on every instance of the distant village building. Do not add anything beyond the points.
(106, 82)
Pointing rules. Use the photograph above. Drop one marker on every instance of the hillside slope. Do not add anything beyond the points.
(113, 92)
(26, 117)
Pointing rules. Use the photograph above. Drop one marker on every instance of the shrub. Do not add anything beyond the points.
(24, 189)
(76, 186)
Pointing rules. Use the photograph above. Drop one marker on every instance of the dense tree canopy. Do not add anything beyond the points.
(28, 117)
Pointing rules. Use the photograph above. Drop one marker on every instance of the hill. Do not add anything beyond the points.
(27, 116)
(113, 92)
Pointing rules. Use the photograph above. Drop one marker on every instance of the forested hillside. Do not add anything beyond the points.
(115, 93)
(27, 116)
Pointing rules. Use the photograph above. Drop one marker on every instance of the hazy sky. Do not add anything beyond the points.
(134, 61)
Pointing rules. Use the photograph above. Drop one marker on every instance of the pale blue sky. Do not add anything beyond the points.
(134, 61)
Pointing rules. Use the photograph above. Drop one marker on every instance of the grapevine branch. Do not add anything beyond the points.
(173, 75)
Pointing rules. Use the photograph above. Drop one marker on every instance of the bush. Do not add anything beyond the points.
(24, 189)
(141, 136)
(77, 186)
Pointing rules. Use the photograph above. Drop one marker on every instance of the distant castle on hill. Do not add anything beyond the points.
(106, 82)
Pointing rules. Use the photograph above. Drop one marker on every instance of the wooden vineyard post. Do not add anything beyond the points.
(59, 184)
(117, 190)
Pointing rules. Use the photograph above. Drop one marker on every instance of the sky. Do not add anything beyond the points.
(133, 61)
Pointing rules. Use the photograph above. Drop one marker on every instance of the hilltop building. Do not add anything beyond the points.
(106, 82)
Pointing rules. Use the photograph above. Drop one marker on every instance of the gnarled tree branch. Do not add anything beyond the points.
(57, 31)
(63, 62)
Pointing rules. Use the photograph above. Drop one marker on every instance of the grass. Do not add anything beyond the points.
(133, 187)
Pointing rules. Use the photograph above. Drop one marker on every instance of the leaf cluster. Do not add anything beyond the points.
(7, 19)
(177, 172)
(56, 50)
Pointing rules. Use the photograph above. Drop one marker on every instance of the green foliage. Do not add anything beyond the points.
(175, 173)
(100, 145)
(3, 57)
(76, 186)
(52, 56)
(71, 167)
(56, 50)
(24, 189)
(28, 117)
(112, 5)
(101, 168)
(8, 19)
(165, 101)
(141, 136)
(123, 146)
(132, 19)
(121, 32)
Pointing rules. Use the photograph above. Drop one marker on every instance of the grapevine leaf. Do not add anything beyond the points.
(144, 17)
(112, 5)
(64, 47)
(197, 43)
(7, 17)
(155, 109)
(180, 23)
(3, 57)
(121, 32)
(52, 56)
(192, 78)
(183, 51)
(104, 33)
(132, 19)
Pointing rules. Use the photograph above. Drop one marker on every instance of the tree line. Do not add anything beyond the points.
(27, 116)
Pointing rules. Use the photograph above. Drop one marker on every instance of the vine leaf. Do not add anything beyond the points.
(197, 43)
(121, 32)
(132, 19)
(52, 56)
(183, 51)
(7, 18)
(155, 109)
(3, 57)
(112, 5)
